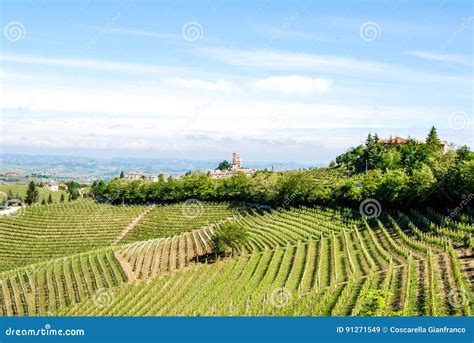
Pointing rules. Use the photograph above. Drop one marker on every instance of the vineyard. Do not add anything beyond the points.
(88, 259)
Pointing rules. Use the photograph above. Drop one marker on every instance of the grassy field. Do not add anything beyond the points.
(82, 258)
(43, 192)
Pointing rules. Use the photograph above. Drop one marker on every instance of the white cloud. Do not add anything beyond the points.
(293, 84)
(435, 56)
(102, 65)
(324, 64)
(168, 109)
(220, 85)
(281, 60)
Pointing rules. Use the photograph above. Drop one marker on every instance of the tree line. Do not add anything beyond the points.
(32, 195)
(397, 175)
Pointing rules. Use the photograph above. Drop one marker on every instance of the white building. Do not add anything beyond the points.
(52, 185)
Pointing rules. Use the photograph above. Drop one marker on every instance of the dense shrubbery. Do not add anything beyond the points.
(397, 175)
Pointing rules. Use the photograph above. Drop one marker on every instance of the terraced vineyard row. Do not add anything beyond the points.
(154, 257)
(40, 233)
(332, 276)
(279, 228)
(300, 261)
(170, 220)
(44, 288)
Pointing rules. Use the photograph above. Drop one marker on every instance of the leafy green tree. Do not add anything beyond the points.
(32, 193)
(412, 153)
(99, 188)
(229, 236)
(353, 159)
(391, 159)
(50, 199)
(394, 188)
(463, 154)
(73, 188)
(224, 165)
(422, 180)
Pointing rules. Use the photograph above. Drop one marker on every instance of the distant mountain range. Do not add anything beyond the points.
(88, 168)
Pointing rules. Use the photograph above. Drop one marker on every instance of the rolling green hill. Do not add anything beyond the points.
(82, 258)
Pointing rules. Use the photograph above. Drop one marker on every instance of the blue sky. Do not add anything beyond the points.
(273, 80)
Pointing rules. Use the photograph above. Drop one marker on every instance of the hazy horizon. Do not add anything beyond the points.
(288, 81)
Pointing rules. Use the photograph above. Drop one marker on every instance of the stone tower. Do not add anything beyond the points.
(236, 161)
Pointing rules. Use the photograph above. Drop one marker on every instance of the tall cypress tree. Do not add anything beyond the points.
(32, 193)
(373, 152)
(432, 141)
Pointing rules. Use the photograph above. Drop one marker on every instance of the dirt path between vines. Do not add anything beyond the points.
(131, 276)
(130, 226)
